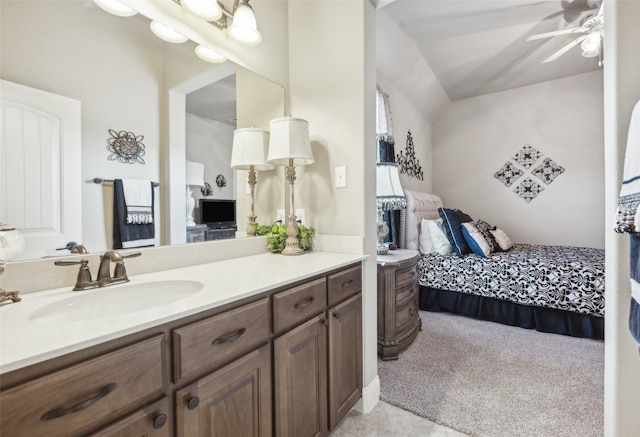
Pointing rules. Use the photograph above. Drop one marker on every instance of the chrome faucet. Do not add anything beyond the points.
(119, 272)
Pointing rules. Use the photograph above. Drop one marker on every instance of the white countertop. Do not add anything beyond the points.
(24, 342)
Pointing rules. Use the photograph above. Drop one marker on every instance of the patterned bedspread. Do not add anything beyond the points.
(561, 277)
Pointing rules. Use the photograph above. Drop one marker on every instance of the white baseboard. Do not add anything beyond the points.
(370, 396)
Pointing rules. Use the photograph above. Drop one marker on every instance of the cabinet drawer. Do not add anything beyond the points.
(405, 317)
(203, 345)
(406, 295)
(73, 400)
(345, 284)
(406, 276)
(150, 421)
(298, 304)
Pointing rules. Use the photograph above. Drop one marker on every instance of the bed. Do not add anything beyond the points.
(555, 289)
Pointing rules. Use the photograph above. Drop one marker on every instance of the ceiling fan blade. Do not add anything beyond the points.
(565, 49)
(557, 32)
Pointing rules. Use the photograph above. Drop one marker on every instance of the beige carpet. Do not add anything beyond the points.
(492, 380)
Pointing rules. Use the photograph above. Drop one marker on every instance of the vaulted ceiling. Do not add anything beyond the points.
(477, 47)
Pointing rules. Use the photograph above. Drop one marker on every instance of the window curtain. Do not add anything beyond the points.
(386, 153)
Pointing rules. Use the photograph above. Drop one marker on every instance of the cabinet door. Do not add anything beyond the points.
(233, 401)
(345, 358)
(150, 421)
(300, 360)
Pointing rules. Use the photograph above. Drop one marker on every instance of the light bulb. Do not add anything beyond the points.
(167, 33)
(244, 28)
(207, 9)
(209, 55)
(591, 43)
(116, 8)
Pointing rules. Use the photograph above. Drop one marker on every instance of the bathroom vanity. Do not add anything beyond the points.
(269, 345)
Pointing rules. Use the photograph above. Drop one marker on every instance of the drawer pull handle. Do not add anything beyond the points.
(159, 421)
(324, 321)
(222, 340)
(336, 315)
(54, 414)
(347, 284)
(193, 402)
(305, 304)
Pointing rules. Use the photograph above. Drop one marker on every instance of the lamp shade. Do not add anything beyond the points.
(116, 8)
(389, 193)
(289, 140)
(250, 148)
(195, 173)
(244, 28)
(206, 9)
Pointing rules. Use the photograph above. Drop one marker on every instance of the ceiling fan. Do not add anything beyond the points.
(590, 36)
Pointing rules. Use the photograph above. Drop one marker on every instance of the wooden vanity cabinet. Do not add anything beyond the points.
(287, 362)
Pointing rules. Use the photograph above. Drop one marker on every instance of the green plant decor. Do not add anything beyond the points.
(277, 236)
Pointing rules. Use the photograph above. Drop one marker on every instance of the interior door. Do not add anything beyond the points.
(40, 167)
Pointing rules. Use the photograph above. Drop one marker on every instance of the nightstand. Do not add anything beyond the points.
(398, 317)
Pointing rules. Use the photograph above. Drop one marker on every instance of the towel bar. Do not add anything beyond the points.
(100, 180)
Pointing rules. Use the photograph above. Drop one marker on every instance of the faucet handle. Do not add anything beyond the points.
(120, 272)
(83, 282)
(132, 255)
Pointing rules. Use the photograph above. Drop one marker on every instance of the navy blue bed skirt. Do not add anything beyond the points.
(508, 313)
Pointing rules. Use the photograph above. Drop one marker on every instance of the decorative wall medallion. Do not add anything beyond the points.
(126, 147)
(527, 156)
(221, 181)
(408, 163)
(528, 189)
(547, 171)
(206, 190)
(508, 173)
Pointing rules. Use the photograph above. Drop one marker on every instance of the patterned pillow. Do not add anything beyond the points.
(485, 229)
(475, 240)
(502, 239)
(452, 220)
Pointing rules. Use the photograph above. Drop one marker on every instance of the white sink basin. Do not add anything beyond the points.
(115, 300)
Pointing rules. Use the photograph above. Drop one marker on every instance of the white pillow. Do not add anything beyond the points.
(502, 239)
(439, 239)
(424, 240)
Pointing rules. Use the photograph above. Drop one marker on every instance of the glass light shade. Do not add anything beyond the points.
(207, 9)
(116, 8)
(591, 43)
(389, 192)
(590, 54)
(289, 139)
(250, 147)
(11, 243)
(209, 55)
(244, 28)
(166, 33)
(195, 173)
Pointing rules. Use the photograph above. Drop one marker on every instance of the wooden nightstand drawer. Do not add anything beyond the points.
(405, 317)
(345, 284)
(293, 306)
(72, 400)
(203, 345)
(406, 276)
(406, 295)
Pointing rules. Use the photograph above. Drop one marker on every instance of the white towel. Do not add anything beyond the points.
(138, 197)
(627, 215)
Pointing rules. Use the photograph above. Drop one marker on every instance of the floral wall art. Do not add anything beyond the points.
(527, 157)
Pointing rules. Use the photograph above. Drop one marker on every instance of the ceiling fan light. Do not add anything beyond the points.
(206, 9)
(590, 53)
(166, 33)
(209, 55)
(116, 8)
(244, 28)
(591, 43)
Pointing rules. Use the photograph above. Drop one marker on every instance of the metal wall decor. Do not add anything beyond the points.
(126, 147)
(408, 163)
(206, 190)
(221, 181)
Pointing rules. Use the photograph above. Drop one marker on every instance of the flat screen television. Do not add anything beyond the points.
(217, 213)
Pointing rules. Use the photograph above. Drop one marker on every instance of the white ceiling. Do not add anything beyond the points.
(477, 47)
(216, 101)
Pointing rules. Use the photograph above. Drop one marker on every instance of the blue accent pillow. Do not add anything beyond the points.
(475, 240)
(452, 220)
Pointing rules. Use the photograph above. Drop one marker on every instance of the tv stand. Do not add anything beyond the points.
(221, 234)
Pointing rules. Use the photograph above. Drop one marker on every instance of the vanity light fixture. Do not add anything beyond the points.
(209, 55)
(206, 9)
(289, 145)
(250, 153)
(116, 8)
(167, 33)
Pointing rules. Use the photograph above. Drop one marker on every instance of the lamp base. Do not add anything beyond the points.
(251, 225)
(292, 246)
(383, 230)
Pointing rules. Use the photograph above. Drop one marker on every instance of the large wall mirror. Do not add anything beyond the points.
(126, 79)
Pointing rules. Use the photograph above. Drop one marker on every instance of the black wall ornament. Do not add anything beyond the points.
(221, 181)
(126, 147)
(408, 163)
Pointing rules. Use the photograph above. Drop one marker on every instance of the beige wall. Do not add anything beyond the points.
(563, 119)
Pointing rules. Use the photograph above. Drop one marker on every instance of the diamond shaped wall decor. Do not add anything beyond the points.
(527, 156)
(508, 173)
(528, 189)
(547, 171)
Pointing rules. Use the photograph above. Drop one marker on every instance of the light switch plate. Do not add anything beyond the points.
(341, 177)
(300, 216)
(280, 216)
